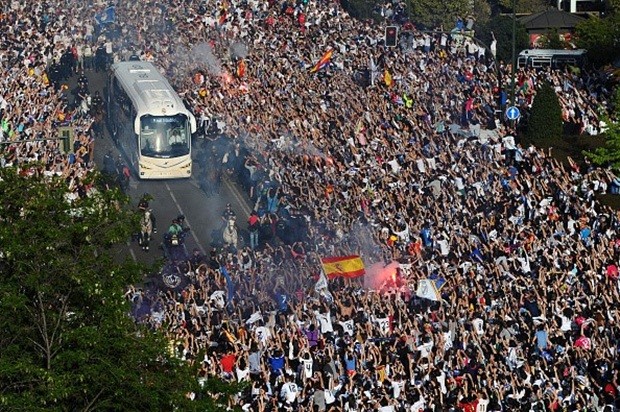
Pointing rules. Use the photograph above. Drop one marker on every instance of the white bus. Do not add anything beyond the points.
(556, 59)
(149, 121)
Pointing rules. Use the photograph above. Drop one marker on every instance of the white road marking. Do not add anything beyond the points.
(237, 196)
(233, 190)
(133, 255)
(174, 199)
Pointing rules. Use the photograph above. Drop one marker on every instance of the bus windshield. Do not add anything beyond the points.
(164, 136)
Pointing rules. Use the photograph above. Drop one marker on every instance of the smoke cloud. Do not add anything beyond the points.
(239, 50)
(377, 275)
(202, 54)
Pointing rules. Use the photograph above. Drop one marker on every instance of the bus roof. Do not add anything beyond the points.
(551, 52)
(149, 91)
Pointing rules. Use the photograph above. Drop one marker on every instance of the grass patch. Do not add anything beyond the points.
(570, 146)
(612, 201)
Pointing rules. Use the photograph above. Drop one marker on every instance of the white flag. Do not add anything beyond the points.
(256, 316)
(374, 71)
(321, 287)
(427, 290)
(218, 298)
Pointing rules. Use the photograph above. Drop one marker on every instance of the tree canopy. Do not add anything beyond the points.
(501, 27)
(67, 341)
(431, 14)
(609, 154)
(601, 37)
(523, 6)
(545, 120)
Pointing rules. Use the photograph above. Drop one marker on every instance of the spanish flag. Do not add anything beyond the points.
(223, 17)
(387, 78)
(241, 69)
(323, 61)
(345, 266)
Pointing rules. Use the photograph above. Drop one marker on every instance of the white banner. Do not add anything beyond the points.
(427, 290)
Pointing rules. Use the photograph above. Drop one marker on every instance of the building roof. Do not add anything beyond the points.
(550, 19)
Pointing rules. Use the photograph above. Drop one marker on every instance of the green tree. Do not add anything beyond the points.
(523, 6)
(67, 342)
(545, 121)
(551, 40)
(601, 37)
(501, 27)
(609, 154)
(431, 14)
(362, 9)
(615, 103)
(481, 12)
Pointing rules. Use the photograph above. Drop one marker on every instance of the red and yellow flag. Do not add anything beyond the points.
(241, 68)
(345, 266)
(323, 61)
(223, 17)
(387, 78)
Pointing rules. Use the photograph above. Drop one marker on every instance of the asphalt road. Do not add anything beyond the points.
(174, 197)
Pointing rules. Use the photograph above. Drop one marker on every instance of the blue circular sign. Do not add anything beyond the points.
(513, 113)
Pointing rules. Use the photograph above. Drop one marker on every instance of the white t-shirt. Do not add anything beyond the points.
(478, 326)
(397, 387)
(262, 334)
(566, 323)
(458, 182)
(394, 165)
(307, 366)
(418, 406)
(421, 165)
(242, 374)
(348, 326)
(444, 247)
(325, 320)
(329, 397)
(384, 324)
(289, 392)
(425, 349)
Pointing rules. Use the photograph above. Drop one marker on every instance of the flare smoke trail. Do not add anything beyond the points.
(239, 50)
(203, 54)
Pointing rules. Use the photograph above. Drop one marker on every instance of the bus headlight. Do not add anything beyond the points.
(145, 166)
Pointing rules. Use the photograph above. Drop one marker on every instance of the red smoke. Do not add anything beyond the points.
(378, 276)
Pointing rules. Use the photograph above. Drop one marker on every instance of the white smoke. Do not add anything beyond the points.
(202, 54)
(239, 50)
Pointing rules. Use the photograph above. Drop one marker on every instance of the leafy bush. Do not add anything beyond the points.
(545, 120)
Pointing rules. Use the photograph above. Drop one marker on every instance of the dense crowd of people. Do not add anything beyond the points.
(405, 166)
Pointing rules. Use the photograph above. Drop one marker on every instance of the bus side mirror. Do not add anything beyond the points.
(192, 124)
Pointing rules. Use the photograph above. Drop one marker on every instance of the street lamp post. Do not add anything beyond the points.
(498, 72)
(514, 52)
